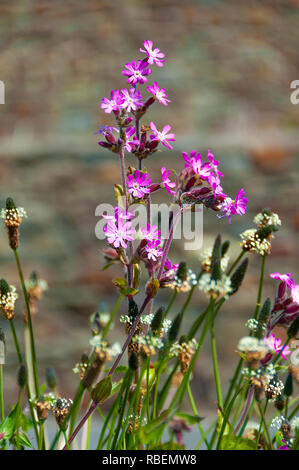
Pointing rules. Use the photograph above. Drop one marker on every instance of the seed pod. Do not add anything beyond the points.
(4, 287)
(216, 259)
(182, 271)
(293, 328)
(157, 321)
(263, 319)
(133, 361)
(22, 376)
(225, 247)
(174, 329)
(51, 378)
(264, 232)
(238, 276)
(288, 386)
(133, 309)
(152, 288)
(10, 203)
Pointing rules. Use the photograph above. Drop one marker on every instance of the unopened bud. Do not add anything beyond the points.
(182, 271)
(238, 276)
(263, 319)
(157, 321)
(174, 329)
(225, 247)
(22, 376)
(216, 259)
(293, 328)
(152, 288)
(288, 386)
(133, 361)
(51, 378)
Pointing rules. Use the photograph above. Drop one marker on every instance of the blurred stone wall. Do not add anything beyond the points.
(229, 65)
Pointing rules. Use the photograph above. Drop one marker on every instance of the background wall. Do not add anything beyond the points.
(228, 72)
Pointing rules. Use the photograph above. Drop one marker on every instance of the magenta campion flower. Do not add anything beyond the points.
(136, 71)
(131, 139)
(295, 293)
(114, 104)
(159, 93)
(153, 250)
(214, 164)
(275, 345)
(214, 182)
(150, 232)
(166, 181)
(138, 184)
(286, 278)
(195, 162)
(119, 228)
(284, 447)
(162, 136)
(106, 129)
(240, 202)
(153, 56)
(132, 99)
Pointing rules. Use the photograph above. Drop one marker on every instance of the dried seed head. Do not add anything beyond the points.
(60, 410)
(43, 407)
(8, 297)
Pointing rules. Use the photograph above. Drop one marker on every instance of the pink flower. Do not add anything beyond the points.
(214, 182)
(214, 164)
(162, 136)
(154, 56)
(119, 229)
(114, 104)
(240, 202)
(150, 232)
(195, 162)
(286, 278)
(153, 251)
(105, 130)
(295, 293)
(284, 447)
(275, 345)
(159, 93)
(166, 181)
(131, 139)
(132, 99)
(138, 184)
(136, 71)
(238, 206)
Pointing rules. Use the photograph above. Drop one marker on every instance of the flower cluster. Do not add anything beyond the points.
(215, 288)
(8, 297)
(286, 305)
(258, 240)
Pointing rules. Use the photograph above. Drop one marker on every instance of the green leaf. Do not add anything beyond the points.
(168, 446)
(190, 419)
(9, 424)
(24, 422)
(23, 441)
(120, 282)
(119, 370)
(129, 291)
(102, 390)
(231, 442)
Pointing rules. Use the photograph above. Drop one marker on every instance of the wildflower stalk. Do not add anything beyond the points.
(171, 302)
(263, 423)
(2, 416)
(122, 409)
(194, 409)
(215, 366)
(236, 262)
(20, 360)
(33, 353)
(250, 397)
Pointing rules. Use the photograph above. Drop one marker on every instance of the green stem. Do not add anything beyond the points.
(66, 441)
(236, 262)
(122, 411)
(2, 416)
(194, 409)
(15, 338)
(33, 353)
(171, 302)
(260, 290)
(215, 366)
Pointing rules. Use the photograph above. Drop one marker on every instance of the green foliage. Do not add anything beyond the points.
(231, 442)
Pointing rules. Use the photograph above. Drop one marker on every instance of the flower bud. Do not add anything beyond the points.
(51, 378)
(225, 247)
(133, 309)
(293, 328)
(152, 288)
(288, 386)
(216, 259)
(133, 361)
(238, 276)
(182, 271)
(174, 329)
(157, 321)
(263, 319)
(22, 376)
